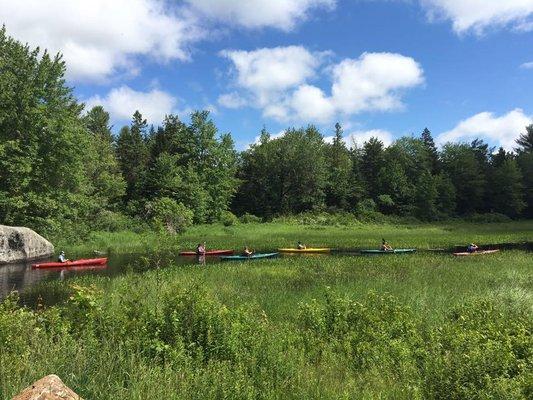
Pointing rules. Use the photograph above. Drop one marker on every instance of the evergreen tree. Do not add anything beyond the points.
(372, 159)
(339, 166)
(507, 189)
(445, 201)
(103, 168)
(525, 141)
(132, 154)
(429, 143)
(525, 161)
(425, 198)
(461, 163)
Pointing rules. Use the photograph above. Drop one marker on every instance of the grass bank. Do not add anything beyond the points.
(268, 236)
(423, 326)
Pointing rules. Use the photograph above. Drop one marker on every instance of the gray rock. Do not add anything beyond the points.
(21, 244)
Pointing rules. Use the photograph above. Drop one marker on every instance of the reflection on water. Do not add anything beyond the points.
(22, 276)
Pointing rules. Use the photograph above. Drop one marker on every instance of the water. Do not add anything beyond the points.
(22, 276)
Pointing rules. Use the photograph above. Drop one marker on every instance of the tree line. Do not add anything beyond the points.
(63, 167)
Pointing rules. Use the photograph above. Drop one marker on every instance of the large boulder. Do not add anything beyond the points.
(48, 388)
(21, 244)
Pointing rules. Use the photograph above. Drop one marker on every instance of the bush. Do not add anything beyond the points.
(250, 219)
(487, 218)
(111, 221)
(228, 218)
(167, 214)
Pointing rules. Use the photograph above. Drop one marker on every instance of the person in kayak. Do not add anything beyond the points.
(62, 257)
(301, 246)
(200, 249)
(247, 252)
(385, 246)
(472, 248)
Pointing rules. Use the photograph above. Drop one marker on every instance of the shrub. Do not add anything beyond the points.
(228, 218)
(250, 219)
(488, 217)
(167, 214)
(480, 352)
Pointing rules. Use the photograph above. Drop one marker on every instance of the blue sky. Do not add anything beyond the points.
(382, 68)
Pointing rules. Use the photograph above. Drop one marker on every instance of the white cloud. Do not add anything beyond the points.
(372, 81)
(478, 15)
(501, 131)
(123, 101)
(280, 14)
(278, 82)
(268, 71)
(358, 138)
(527, 65)
(100, 38)
(231, 100)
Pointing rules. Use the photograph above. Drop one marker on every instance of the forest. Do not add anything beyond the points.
(65, 169)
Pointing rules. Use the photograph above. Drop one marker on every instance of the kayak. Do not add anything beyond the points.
(77, 268)
(252, 257)
(395, 251)
(207, 253)
(307, 250)
(76, 263)
(476, 253)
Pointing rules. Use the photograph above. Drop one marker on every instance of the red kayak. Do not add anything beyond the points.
(207, 253)
(76, 263)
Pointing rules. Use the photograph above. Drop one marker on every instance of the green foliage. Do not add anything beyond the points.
(167, 214)
(228, 218)
(488, 218)
(247, 218)
(283, 175)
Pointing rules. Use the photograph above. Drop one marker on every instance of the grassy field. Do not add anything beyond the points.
(270, 236)
(422, 326)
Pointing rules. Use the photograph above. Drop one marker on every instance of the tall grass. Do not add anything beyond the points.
(396, 327)
(270, 236)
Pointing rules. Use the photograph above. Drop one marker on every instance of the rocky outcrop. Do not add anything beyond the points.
(48, 388)
(20, 244)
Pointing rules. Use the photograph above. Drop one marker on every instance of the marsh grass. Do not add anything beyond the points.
(269, 236)
(414, 326)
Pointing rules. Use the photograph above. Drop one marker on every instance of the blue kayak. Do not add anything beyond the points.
(252, 257)
(395, 251)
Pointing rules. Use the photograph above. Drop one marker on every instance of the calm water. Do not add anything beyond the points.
(22, 276)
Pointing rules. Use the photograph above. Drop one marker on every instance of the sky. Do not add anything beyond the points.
(384, 68)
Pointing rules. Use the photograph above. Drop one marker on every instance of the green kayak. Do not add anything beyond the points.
(252, 257)
(395, 251)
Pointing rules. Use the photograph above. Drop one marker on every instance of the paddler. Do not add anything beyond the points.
(301, 246)
(472, 248)
(200, 249)
(62, 257)
(385, 246)
(247, 252)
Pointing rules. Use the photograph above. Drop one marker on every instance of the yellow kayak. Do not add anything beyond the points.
(307, 250)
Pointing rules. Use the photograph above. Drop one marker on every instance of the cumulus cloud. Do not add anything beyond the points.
(99, 38)
(501, 130)
(527, 65)
(278, 81)
(280, 14)
(478, 15)
(358, 138)
(123, 101)
(231, 100)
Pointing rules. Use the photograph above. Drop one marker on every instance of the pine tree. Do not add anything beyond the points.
(507, 189)
(132, 154)
(525, 141)
(371, 163)
(339, 166)
(429, 143)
